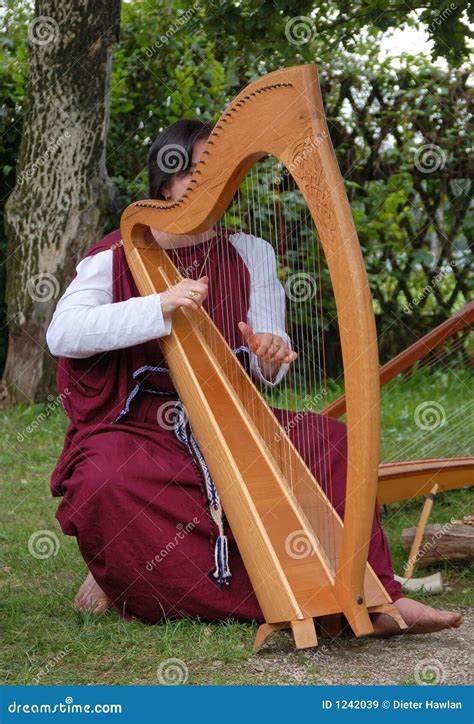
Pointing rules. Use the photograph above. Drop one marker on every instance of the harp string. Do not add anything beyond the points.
(306, 377)
(284, 221)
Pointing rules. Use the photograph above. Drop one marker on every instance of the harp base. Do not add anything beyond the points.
(304, 631)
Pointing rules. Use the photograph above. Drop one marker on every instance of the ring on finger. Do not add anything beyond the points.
(192, 294)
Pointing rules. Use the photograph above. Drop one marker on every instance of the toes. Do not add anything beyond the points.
(451, 618)
(78, 601)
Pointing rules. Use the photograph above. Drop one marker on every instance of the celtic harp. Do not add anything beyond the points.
(267, 491)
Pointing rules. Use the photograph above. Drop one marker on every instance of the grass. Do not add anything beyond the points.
(45, 641)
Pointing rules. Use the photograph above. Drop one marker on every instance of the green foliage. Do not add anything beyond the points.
(177, 59)
(163, 70)
(260, 31)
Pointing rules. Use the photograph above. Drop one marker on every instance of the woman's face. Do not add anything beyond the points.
(175, 187)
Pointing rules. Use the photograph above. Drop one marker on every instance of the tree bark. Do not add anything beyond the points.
(451, 542)
(62, 193)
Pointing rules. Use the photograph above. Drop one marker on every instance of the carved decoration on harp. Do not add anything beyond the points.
(306, 168)
(230, 419)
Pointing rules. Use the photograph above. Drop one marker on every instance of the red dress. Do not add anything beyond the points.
(133, 493)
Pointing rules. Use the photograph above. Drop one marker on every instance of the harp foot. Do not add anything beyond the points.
(390, 610)
(266, 630)
(304, 633)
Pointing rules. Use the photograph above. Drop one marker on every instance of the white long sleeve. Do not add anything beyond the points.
(266, 311)
(86, 321)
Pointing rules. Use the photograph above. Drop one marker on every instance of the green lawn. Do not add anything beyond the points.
(46, 641)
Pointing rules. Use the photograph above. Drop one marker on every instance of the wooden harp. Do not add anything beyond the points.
(266, 501)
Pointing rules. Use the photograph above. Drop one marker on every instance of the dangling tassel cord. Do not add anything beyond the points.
(221, 549)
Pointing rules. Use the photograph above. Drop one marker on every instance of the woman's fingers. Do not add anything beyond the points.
(251, 339)
(195, 288)
(269, 347)
(246, 330)
(265, 344)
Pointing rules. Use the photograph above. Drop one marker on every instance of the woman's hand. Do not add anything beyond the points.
(271, 349)
(187, 293)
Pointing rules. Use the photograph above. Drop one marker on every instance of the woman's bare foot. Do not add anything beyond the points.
(90, 598)
(418, 617)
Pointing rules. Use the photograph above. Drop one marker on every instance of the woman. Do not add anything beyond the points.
(135, 489)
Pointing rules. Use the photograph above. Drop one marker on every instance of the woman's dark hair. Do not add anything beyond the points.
(171, 152)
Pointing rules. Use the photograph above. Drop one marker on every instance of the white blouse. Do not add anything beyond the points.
(86, 321)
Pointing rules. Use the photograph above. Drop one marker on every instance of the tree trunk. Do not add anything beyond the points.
(62, 193)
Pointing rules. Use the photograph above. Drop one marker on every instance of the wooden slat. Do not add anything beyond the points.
(408, 479)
